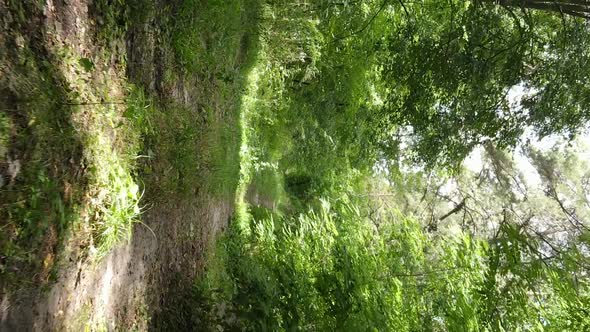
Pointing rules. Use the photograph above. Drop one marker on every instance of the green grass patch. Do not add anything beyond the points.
(172, 162)
(67, 155)
(224, 159)
(41, 191)
(183, 148)
(204, 31)
(111, 144)
(196, 145)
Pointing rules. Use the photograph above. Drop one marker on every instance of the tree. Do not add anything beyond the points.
(449, 68)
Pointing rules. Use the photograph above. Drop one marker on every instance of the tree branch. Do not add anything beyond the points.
(366, 25)
(456, 209)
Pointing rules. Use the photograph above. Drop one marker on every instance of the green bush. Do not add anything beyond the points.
(334, 269)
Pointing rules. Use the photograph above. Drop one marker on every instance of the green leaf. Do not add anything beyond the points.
(86, 63)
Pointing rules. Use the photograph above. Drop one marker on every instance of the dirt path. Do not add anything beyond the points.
(132, 286)
(132, 283)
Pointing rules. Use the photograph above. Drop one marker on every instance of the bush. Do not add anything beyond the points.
(335, 269)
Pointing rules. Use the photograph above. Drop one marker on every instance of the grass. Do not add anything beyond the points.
(194, 144)
(64, 128)
(184, 150)
(204, 31)
(111, 143)
(42, 197)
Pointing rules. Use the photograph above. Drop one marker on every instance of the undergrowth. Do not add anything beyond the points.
(330, 269)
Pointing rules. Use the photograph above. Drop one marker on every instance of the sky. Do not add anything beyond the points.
(474, 161)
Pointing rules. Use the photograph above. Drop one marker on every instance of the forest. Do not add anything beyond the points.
(294, 165)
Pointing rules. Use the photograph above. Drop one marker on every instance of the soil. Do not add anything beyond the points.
(133, 282)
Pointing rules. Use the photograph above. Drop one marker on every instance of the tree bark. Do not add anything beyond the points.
(577, 8)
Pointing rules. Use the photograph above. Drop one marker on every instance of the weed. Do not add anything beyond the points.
(41, 189)
(111, 144)
(5, 127)
(70, 154)
(203, 33)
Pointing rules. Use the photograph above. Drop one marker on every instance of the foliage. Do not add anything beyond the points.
(436, 76)
(337, 268)
(339, 88)
(280, 102)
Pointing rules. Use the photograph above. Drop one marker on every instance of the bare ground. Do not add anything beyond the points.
(132, 283)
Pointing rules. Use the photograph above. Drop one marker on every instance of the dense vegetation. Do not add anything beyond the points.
(358, 120)
(346, 133)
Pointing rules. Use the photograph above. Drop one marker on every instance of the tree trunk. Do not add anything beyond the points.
(578, 8)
